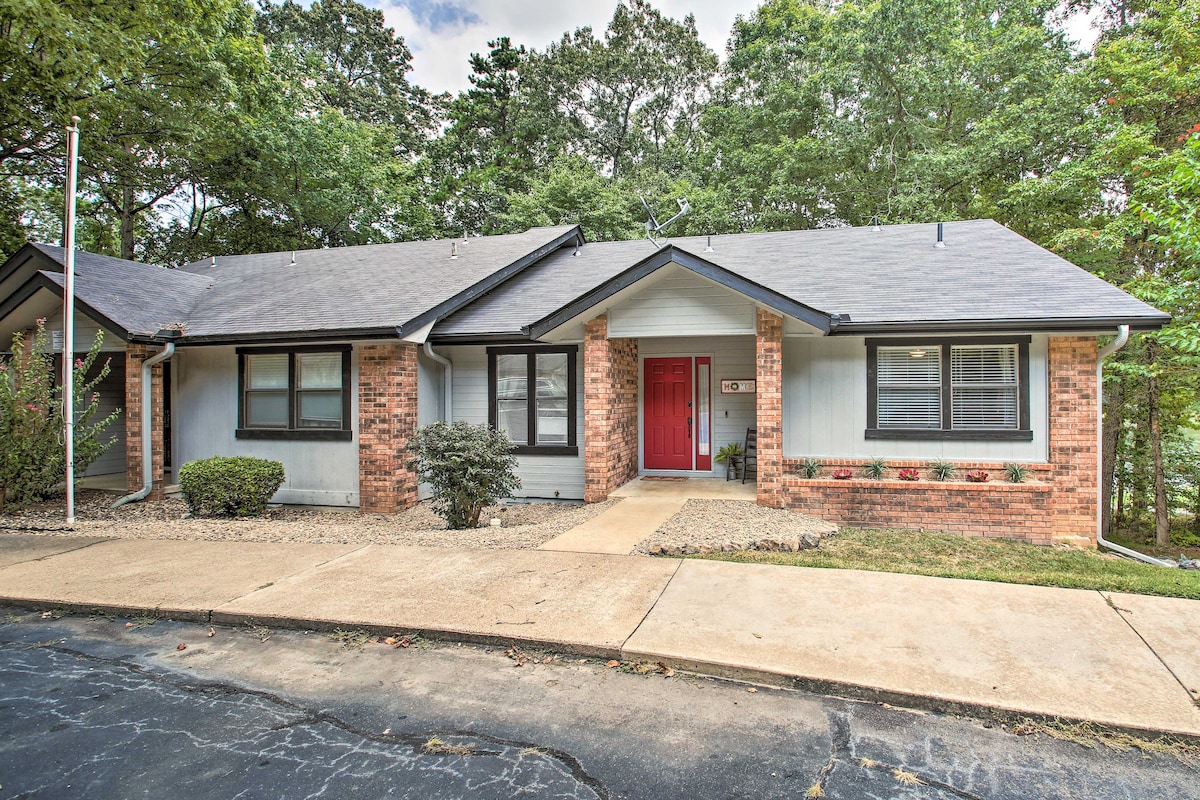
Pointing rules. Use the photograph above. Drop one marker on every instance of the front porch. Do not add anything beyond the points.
(652, 435)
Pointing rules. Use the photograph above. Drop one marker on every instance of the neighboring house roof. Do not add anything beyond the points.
(840, 281)
(380, 287)
(986, 277)
(130, 298)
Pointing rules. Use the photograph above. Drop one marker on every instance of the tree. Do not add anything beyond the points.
(625, 97)
(32, 454)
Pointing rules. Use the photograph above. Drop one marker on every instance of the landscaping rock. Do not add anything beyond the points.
(705, 526)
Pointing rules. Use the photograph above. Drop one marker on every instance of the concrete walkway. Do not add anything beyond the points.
(646, 503)
(1126, 661)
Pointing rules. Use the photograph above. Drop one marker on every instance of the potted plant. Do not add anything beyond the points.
(731, 456)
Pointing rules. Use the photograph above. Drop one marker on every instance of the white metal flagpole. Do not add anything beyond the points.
(68, 345)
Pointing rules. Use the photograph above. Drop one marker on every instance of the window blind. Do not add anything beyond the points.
(984, 383)
(909, 387)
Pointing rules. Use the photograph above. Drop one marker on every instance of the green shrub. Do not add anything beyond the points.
(467, 467)
(237, 486)
(33, 457)
(876, 468)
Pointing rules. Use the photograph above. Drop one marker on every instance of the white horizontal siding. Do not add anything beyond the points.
(733, 357)
(430, 387)
(541, 476)
(682, 303)
(112, 398)
(205, 421)
(825, 408)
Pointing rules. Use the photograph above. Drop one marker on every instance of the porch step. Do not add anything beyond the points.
(619, 529)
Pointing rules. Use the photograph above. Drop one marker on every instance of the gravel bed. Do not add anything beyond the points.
(705, 526)
(523, 525)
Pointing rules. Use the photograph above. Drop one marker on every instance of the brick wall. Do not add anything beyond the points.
(387, 418)
(135, 354)
(769, 408)
(1056, 504)
(610, 410)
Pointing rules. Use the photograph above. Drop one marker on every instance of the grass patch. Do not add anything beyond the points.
(947, 556)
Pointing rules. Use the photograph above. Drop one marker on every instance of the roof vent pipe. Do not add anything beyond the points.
(293, 259)
(876, 229)
(1106, 351)
(454, 250)
(709, 247)
(940, 242)
(147, 422)
(214, 261)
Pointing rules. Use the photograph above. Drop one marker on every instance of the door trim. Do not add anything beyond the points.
(695, 470)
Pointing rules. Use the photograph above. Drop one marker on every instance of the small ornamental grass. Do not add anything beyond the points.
(467, 467)
(875, 469)
(1016, 473)
(942, 470)
(230, 486)
(810, 468)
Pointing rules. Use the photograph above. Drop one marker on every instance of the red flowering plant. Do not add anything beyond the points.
(909, 474)
(32, 452)
(842, 474)
(977, 476)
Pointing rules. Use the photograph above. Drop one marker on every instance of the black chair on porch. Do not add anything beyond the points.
(750, 457)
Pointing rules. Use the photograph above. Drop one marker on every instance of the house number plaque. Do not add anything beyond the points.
(738, 386)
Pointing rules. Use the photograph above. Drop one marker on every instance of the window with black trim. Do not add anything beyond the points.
(974, 388)
(531, 397)
(294, 393)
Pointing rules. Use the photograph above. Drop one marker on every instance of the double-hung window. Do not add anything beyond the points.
(948, 389)
(295, 393)
(531, 397)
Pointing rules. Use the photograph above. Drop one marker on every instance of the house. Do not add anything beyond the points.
(609, 360)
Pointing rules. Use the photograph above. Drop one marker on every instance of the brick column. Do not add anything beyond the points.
(387, 418)
(769, 408)
(1073, 434)
(135, 354)
(610, 410)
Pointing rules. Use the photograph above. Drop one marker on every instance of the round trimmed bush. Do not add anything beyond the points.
(236, 486)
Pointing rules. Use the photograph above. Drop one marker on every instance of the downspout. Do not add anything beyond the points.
(147, 420)
(1106, 351)
(447, 378)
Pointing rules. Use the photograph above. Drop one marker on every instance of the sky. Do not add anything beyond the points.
(442, 34)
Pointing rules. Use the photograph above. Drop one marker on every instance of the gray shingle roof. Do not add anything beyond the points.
(364, 287)
(895, 276)
(141, 298)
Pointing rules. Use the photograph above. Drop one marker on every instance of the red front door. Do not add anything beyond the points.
(668, 412)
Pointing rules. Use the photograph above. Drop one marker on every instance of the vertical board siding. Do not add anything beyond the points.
(825, 408)
(205, 418)
(430, 403)
(732, 357)
(541, 476)
(682, 303)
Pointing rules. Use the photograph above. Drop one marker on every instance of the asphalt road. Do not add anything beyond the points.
(96, 708)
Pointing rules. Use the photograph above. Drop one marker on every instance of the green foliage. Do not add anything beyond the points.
(234, 486)
(467, 467)
(811, 468)
(875, 468)
(732, 450)
(1015, 473)
(32, 452)
(942, 470)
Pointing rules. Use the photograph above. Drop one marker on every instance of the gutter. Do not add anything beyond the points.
(1106, 351)
(147, 419)
(447, 378)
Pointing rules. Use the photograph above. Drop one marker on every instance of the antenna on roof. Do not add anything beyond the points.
(653, 226)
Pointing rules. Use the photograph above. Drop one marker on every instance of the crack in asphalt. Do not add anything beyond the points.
(309, 718)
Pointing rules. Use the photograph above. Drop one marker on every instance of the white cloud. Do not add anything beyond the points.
(442, 40)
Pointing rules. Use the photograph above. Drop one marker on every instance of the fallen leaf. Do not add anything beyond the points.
(127, 624)
(181, 646)
(390, 640)
(752, 690)
(211, 632)
(547, 660)
(47, 614)
(613, 663)
(668, 673)
(756, 635)
(386, 731)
